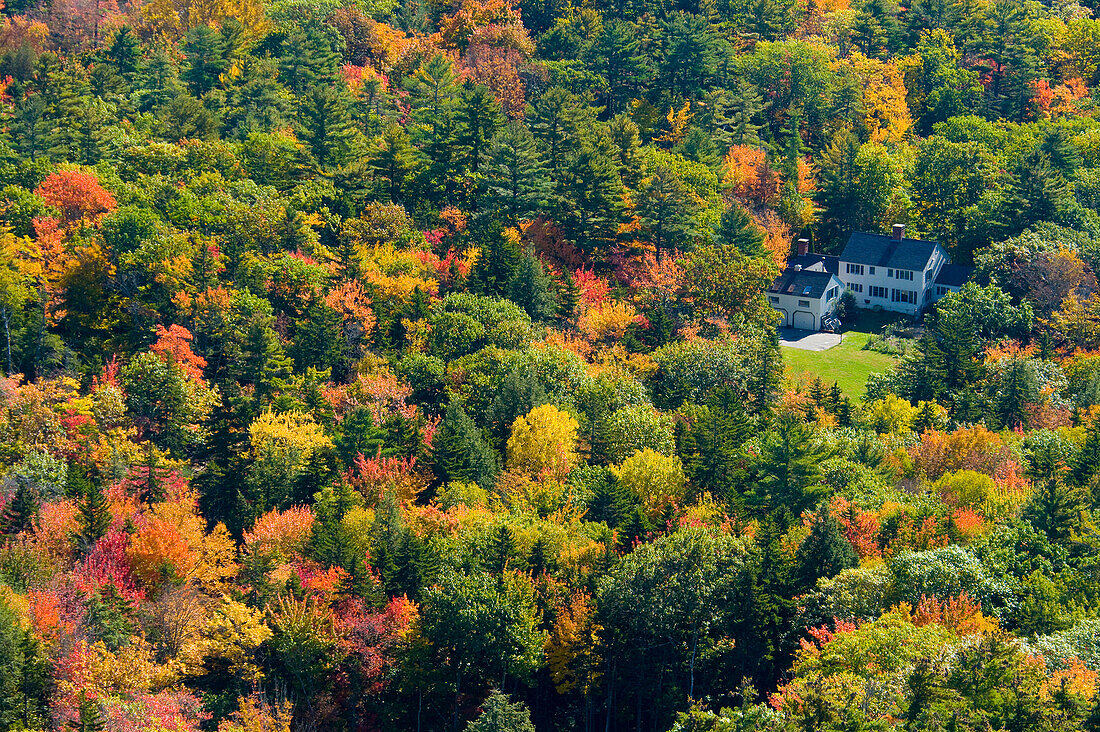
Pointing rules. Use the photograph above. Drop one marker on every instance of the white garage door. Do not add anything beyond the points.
(804, 320)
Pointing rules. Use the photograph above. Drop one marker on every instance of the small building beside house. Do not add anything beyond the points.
(951, 279)
(807, 292)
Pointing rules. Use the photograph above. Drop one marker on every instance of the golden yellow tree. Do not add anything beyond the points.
(543, 443)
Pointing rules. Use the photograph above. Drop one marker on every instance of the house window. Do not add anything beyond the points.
(904, 274)
(803, 303)
(854, 268)
(877, 291)
(831, 295)
(889, 273)
(941, 290)
(908, 296)
(872, 269)
(855, 287)
(773, 298)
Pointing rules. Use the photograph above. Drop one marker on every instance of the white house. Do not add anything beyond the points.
(807, 292)
(888, 272)
(891, 272)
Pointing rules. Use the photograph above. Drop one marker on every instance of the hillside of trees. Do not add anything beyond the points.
(378, 365)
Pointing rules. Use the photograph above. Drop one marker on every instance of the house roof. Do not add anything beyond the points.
(816, 263)
(802, 283)
(954, 275)
(879, 250)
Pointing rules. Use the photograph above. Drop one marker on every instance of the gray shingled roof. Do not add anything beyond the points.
(954, 275)
(801, 283)
(886, 251)
(830, 264)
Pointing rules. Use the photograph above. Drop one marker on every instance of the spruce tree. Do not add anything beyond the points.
(94, 516)
(497, 263)
(532, 289)
(479, 116)
(459, 450)
(393, 163)
(89, 717)
(1086, 466)
(123, 54)
(22, 510)
(825, 552)
(501, 550)
(737, 228)
(568, 296)
(516, 179)
(205, 59)
(324, 126)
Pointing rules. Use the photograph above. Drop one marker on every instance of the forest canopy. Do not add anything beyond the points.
(410, 366)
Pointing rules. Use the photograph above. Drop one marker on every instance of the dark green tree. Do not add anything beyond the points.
(22, 510)
(516, 179)
(205, 59)
(478, 117)
(94, 515)
(825, 552)
(789, 466)
(532, 288)
(460, 451)
(325, 126)
(667, 210)
(736, 227)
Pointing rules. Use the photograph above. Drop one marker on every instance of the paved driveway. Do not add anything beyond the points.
(808, 340)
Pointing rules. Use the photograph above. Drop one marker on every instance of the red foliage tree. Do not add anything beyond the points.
(77, 195)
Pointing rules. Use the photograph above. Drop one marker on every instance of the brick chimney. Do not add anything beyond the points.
(803, 247)
(899, 232)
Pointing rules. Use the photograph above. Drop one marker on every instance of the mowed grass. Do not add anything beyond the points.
(846, 364)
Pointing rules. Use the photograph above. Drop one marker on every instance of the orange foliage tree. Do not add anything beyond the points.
(77, 195)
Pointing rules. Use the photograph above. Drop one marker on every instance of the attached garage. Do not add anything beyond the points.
(804, 320)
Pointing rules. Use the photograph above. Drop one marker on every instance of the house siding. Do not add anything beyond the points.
(789, 305)
(878, 286)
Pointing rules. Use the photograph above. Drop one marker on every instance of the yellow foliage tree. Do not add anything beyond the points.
(171, 19)
(256, 714)
(543, 443)
(886, 112)
(233, 633)
(658, 479)
(570, 648)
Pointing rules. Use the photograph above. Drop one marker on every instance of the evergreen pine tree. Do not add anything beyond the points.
(516, 179)
(532, 289)
(308, 60)
(205, 59)
(1086, 466)
(744, 108)
(393, 163)
(540, 558)
(94, 516)
(479, 116)
(501, 550)
(459, 451)
(737, 228)
(89, 717)
(123, 54)
(825, 552)
(22, 510)
(497, 264)
(568, 296)
(324, 126)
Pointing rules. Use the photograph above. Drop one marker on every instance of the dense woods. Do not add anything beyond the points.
(409, 366)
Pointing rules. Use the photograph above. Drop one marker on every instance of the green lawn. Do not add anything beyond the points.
(847, 364)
